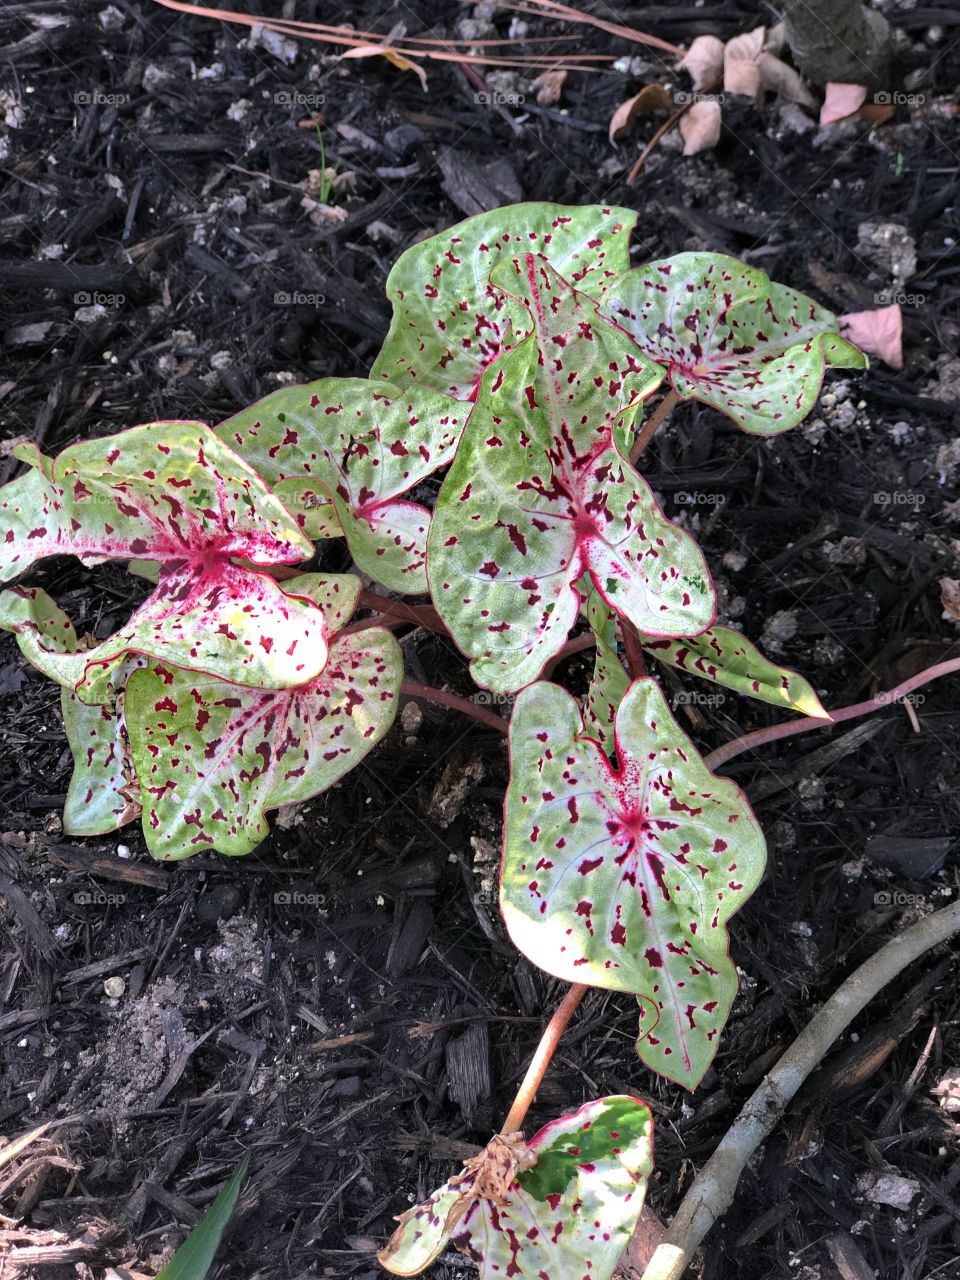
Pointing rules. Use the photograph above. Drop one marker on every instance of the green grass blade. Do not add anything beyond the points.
(192, 1260)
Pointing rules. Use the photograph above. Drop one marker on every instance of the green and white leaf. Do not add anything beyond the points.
(540, 494)
(727, 657)
(568, 1216)
(625, 878)
(449, 323)
(732, 338)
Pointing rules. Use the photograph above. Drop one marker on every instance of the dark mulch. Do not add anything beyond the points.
(358, 1045)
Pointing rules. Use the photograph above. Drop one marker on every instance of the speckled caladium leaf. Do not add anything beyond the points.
(217, 618)
(449, 324)
(175, 494)
(211, 757)
(626, 877)
(727, 657)
(732, 338)
(341, 451)
(609, 681)
(103, 793)
(561, 1208)
(540, 493)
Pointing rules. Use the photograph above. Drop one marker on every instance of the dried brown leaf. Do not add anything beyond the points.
(704, 62)
(385, 51)
(950, 598)
(652, 97)
(840, 101)
(549, 87)
(741, 70)
(700, 126)
(879, 333)
(777, 77)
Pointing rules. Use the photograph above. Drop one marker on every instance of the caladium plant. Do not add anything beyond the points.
(560, 1207)
(521, 353)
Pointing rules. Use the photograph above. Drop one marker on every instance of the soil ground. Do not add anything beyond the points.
(153, 219)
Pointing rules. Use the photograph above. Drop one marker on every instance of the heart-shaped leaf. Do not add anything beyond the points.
(625, 877)
(540, 493)
(563, 1206)
(174, 494)
(727, 657)
(448, 322)
(212, 757)
(340, 452)
(731, 338)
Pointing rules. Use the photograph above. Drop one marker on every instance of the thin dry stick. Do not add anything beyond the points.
(714, 1187)
(353, 39)
(541, 1059)
(759, 737)
(653, 423)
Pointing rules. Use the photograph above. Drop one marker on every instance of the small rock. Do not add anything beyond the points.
(411, 717)
(237, 111)
(734, 561)
(779, 630)
(282, 48)
(888, 1188)
(114, 988)
(889, 247)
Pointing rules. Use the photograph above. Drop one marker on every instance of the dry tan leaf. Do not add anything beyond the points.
(384, 51)
(741, 70)
(548, 87)
(700, 126)
(776, 38)
(950, 598)
(879, 333)
(877, 112)
(840, 101)
(652, 97)
(704, 62)
(783, 80)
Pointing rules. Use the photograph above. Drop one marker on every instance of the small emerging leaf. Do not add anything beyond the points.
(625, 877)
(449, 323)
(563, 1206)
(731, 338)
(541, 493)
(727, 657)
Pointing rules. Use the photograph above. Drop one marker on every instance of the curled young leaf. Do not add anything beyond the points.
(704, 62)
(541, 493)
(700, 126)
(731, 338)
(449, 323)
(103, 793)
(563, 1205)
(625, 877)
(174, 494)
(727, 657)
(211, 757)
(341, 451)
